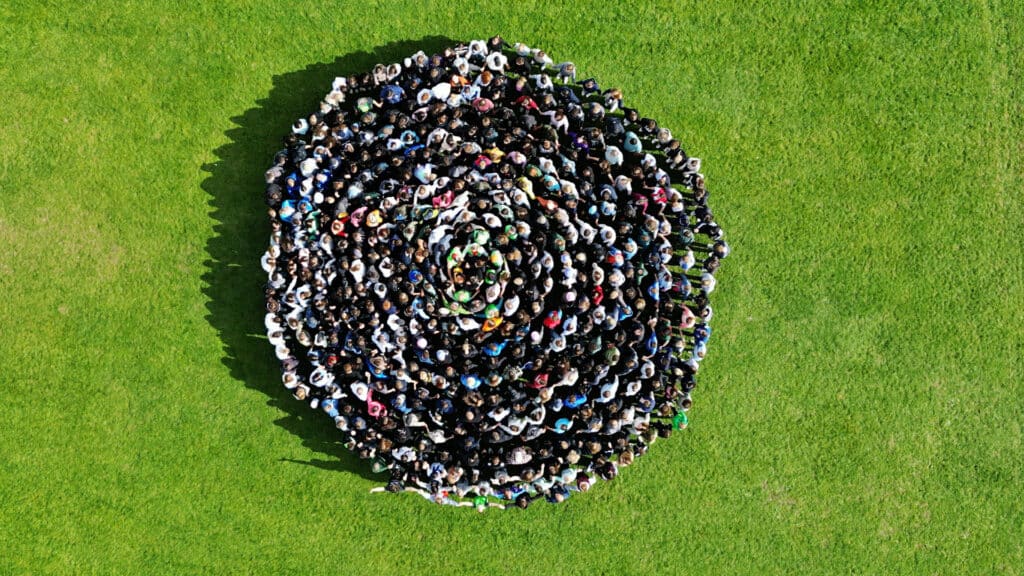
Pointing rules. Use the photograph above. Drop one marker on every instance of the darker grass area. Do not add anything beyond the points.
(234, 280)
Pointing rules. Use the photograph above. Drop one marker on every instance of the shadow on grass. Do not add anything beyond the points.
(234, 280)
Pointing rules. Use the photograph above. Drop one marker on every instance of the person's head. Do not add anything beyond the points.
(626, 458)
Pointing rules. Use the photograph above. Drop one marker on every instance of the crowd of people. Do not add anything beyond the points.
(491, 275)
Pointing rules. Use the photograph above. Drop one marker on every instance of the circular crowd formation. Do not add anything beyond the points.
(493, 277)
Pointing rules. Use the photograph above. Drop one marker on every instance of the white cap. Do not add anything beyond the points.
(308, 167)
(441, 91)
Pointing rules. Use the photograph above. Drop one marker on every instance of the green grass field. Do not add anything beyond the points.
(860, 411)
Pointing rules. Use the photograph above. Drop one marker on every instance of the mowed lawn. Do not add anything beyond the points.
(860, 410)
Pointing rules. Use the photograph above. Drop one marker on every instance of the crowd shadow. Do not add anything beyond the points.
(234, 279)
